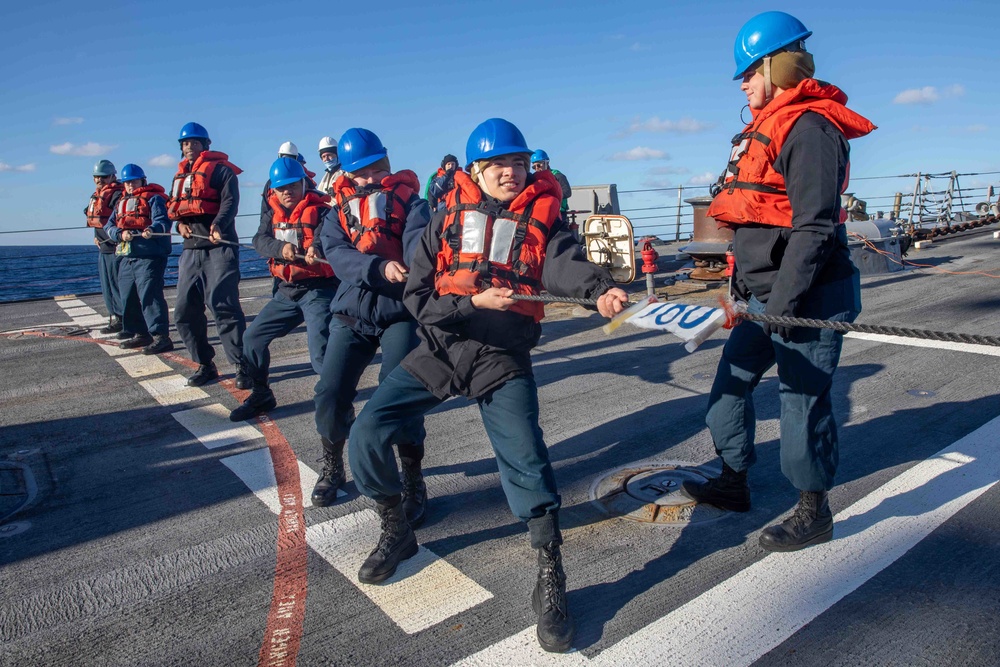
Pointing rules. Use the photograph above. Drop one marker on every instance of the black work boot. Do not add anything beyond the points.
(811, 523)
(728, 491)
(261, 399)
(205, 374)
(139, 340)
(160, 344)
(124, 335)
(114, 326)
(396, 544)
(555, 627)
(242, 381)
(414, 491)
(333, 476)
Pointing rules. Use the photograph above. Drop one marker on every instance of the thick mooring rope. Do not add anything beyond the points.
(843, 327)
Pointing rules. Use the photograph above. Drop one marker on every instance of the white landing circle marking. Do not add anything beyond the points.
(779, 594)
(972, 348)
(141, 365)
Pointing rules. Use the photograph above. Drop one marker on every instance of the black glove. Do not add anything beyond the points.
(784, 331)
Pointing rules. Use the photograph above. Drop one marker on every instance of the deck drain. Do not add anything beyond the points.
(12, 529)
(922, 393)
(651, 493)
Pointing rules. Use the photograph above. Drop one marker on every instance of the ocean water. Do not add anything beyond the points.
(34, 272)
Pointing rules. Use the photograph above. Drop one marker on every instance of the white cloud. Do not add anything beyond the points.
(91, 149)
(163, 160)
(67, 120)
(978, 127)
(669, 170)
(925, 95)
(656, 124)
(657, 183)
(21, 167)
(704, 179)
(640, 153)
(928, 94)
(636, 46)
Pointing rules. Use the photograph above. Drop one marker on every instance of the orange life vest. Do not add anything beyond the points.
(483, 245)
(752, 191)
(192, 192)
(134, 211)
(299, 229)
(374, 219)
(99, 209)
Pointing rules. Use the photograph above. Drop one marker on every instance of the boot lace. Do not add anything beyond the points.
(553, 582)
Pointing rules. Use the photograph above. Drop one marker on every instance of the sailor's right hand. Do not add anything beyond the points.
(394, 272)
(126, 236)
(184, 230)
(495, 298)
(97, 242)
(288, 252)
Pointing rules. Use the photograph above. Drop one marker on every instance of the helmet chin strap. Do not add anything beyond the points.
(768, 90)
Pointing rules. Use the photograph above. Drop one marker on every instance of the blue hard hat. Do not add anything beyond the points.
(132, 172)
(494, 137)
(104, 168)
(286, 170)
(539, 156)
(193, 131)
(359, 148)
(763, 35)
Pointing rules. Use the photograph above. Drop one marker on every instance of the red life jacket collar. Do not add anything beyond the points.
(208, 156)
(851, 124)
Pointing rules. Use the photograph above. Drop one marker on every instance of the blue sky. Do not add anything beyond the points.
(598, 85)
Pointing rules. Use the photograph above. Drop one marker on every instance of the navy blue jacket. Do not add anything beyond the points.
(365, 299)
(158, 246)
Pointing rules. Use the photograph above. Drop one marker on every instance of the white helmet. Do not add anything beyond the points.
(288, 149)
(327, 143)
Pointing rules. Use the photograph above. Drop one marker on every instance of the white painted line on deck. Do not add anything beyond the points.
(172, 390)
(778, 595)
(973, 348)
(116, 351)
(256, 470)
(90, 320)
(70, 303)
(141, 365)
(424, 591)
(211, 425)
(81, 311)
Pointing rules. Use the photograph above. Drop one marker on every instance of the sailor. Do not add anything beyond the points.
(107, 190)
(331, 164)
(540, 162)
(440, 182)
(781, 195)
(379, 219)
(499, 235)
(286, 149)
(140, 213)
(204, 198)
(305, 285)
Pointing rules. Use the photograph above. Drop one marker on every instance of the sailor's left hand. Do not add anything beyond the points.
(214, 235)
(126, 236)
(311, 256)
(612, 302)
(147, 233)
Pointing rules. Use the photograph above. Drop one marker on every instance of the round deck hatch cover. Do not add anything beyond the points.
(651, 493)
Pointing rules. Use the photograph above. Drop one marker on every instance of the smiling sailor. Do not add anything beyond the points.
(500, 234)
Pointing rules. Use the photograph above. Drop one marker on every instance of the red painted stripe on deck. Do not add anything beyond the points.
(283, 633)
